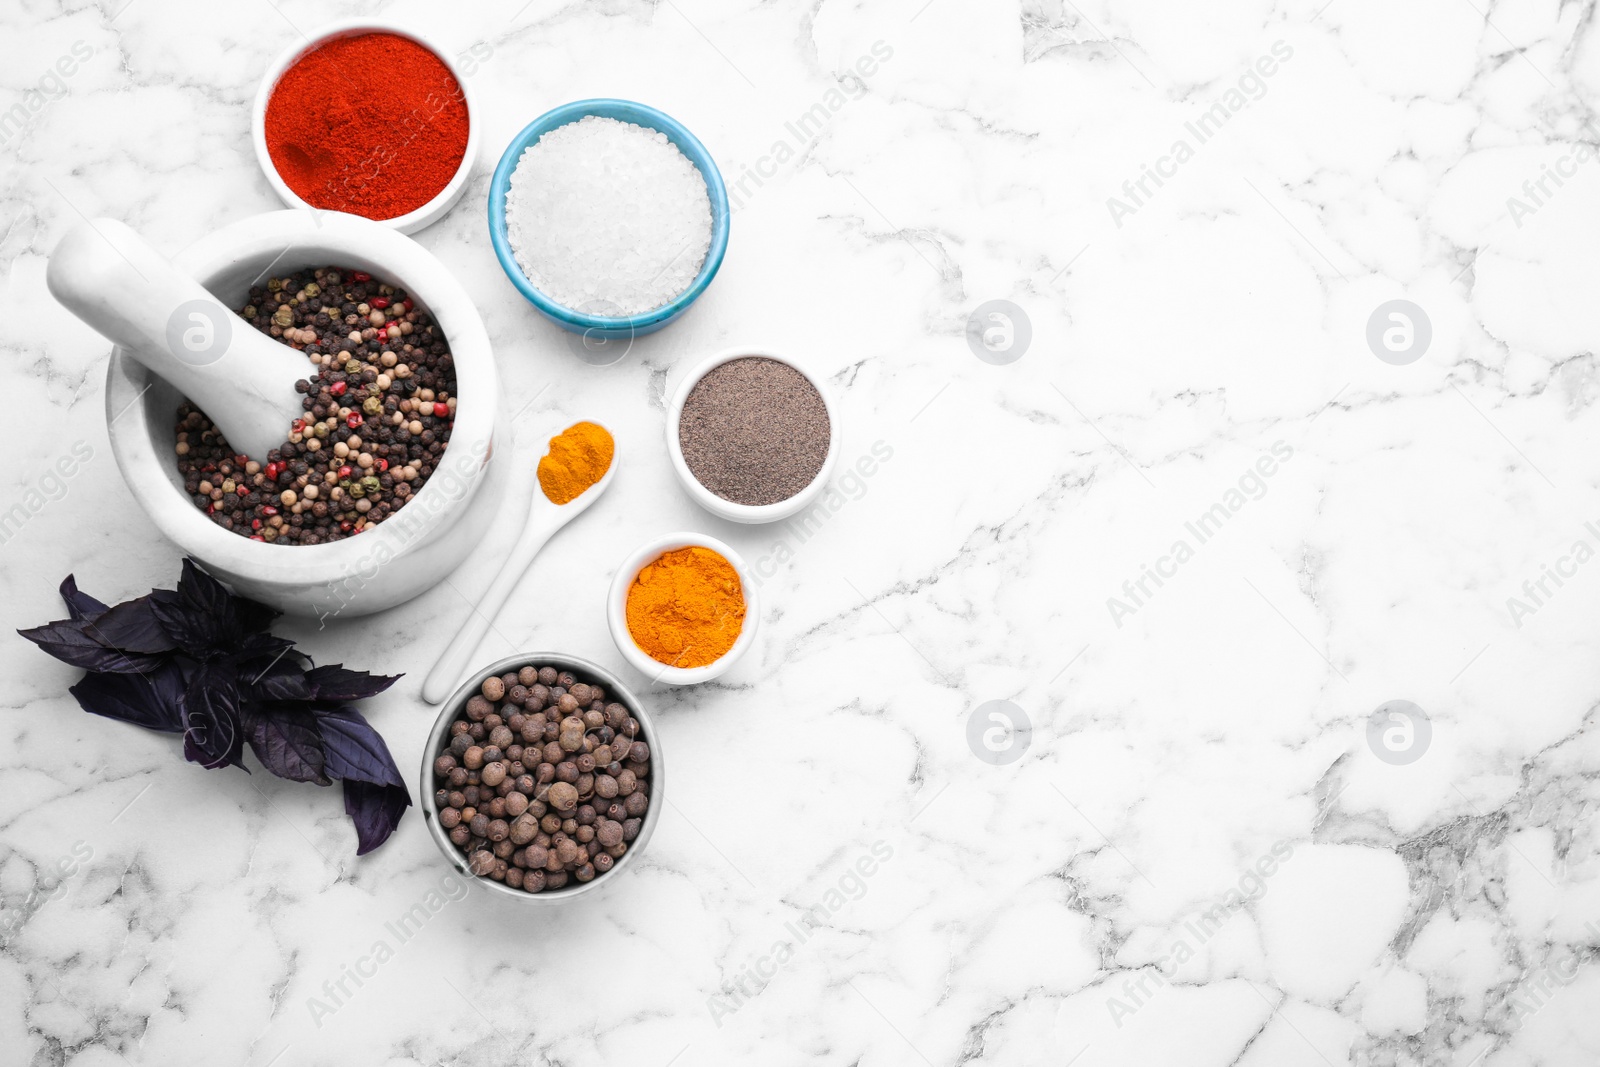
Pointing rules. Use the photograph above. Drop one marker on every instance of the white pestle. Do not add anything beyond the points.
(111, 278)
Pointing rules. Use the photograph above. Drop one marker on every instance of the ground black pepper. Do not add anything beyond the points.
(378, 414)
(754, 431)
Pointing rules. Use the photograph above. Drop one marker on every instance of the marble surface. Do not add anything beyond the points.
(1205, 851)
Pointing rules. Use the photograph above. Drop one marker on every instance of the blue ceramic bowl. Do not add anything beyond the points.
(623, 111)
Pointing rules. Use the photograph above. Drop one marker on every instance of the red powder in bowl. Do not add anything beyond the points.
(374, 125)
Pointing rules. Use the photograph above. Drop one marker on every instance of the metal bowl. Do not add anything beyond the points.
(615, 690)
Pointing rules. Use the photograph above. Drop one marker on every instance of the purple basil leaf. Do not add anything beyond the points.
(154, 700)
(132, 627)
(285, 740)
(203, 618)
(375, 810)
(203, 591)
(333, 682)
(354, 749)
(253, 616)
(194, 631)
(231, 618)
(213, 736)
(79, 605)
(262, 648)
(281, 677)
(72, 642)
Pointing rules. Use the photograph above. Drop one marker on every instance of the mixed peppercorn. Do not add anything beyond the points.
(378, 414)
(543, 780)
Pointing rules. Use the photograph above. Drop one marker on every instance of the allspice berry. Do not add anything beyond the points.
(481, 862)
(493, 688)
(571, 738)
(563, 796)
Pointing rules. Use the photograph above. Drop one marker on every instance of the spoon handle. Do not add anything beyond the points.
(453, 663)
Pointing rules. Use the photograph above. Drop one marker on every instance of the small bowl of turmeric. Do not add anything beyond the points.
(682, 609)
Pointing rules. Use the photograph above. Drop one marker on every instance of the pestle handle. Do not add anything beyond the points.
(117, 283)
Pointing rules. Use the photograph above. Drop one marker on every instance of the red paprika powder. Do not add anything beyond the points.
(374, 125)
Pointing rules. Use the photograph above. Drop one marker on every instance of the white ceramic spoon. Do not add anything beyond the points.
(544, 519)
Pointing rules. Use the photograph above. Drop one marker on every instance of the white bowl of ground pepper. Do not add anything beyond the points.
(753, 435)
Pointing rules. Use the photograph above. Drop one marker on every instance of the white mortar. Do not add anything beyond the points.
(419, 544)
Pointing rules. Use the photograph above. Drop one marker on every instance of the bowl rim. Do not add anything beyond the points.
(441, 725)
(617, 615)
(729, 509)
(175, 515)
(413, 220)
(627, 111)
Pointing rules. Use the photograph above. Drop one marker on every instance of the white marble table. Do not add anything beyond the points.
(1199, 856)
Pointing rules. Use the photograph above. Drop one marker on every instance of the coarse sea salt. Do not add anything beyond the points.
(608, 218)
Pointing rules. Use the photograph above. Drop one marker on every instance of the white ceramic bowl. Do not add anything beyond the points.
(617, 611)
(438, 741)
(412, 221)
(400, 557)
(727, 509)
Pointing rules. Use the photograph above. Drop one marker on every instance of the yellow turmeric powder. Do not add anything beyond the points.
(579, 456)
(686, 608)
